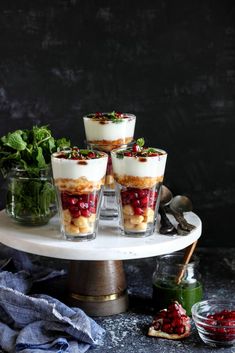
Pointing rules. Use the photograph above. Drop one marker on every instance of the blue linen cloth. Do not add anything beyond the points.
(39, 323)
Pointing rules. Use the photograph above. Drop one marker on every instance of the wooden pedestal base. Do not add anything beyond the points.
(98, 287)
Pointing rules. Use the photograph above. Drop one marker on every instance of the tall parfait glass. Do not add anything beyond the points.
(106, 132)
(139, 174)
(78, 177)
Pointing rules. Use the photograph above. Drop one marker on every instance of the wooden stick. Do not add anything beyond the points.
(187, 257)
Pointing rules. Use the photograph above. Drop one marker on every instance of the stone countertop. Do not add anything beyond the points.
(126, 332)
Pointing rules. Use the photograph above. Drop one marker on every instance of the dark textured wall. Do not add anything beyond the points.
(172, 63)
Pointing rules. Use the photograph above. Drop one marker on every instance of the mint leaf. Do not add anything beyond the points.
(117, 121)
(40, 158)
(113, 114)
(84, 152)
(140, 142)
(62, 143)
(28, 149)
(51, 144)
(15, 141)
(151, 150)
(41, 133)
(120, 155)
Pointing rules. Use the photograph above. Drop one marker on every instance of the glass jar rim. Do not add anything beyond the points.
(167, 258)
(19, 168)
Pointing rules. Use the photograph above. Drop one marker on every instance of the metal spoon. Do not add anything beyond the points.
(177, 207)
(166, 227)
(181, 203)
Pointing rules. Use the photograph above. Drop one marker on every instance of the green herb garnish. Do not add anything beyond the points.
(140, 142)
(80, 154)
(25, 156)
(138, 150)
(120, 155)
(115, 117)
(29, 149)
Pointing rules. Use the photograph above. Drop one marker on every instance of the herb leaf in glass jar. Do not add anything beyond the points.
(25, 160)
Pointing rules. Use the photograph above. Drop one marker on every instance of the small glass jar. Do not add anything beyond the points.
(30, 197)
(174, 281)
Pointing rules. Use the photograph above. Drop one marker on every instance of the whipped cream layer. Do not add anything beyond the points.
(151, 167)
(107, 130)
(91, 169)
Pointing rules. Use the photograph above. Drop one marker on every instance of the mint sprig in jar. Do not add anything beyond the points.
(25, 163)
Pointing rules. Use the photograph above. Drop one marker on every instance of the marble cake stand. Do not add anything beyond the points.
(96, 276)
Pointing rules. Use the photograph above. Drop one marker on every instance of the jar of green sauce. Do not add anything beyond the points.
(168, 287)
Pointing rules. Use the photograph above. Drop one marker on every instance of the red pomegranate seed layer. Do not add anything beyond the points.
(139, 199)
(79, 205)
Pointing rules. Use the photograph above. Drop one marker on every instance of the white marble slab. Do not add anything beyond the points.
(108, 245)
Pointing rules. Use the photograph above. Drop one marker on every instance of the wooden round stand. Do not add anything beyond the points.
(98, 287)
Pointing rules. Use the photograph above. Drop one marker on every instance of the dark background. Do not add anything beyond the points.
(172, 63)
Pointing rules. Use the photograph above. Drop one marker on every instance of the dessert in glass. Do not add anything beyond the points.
(138, 172)
(106, 132)
(79, 175)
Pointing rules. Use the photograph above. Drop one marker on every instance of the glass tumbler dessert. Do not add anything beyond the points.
(138, 172)
(106, 132)
(78, 177)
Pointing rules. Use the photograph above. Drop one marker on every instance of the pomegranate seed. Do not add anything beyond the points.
(135, 148)
(136, 203)
(167, 328)
(175, 323)
(144, 201)
(162, 313)
(91, 155)
(134, 195)
(91, 204)
(143, 192)
(75, 214)
(180, 330)
(153, 154)
(72, 200)
(138, 211)
(84, 198)
(85, 213)
(83, 205)
(92, 209)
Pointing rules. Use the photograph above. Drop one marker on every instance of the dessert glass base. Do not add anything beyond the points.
(81, 237)
(137, 210)
(79, 214)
